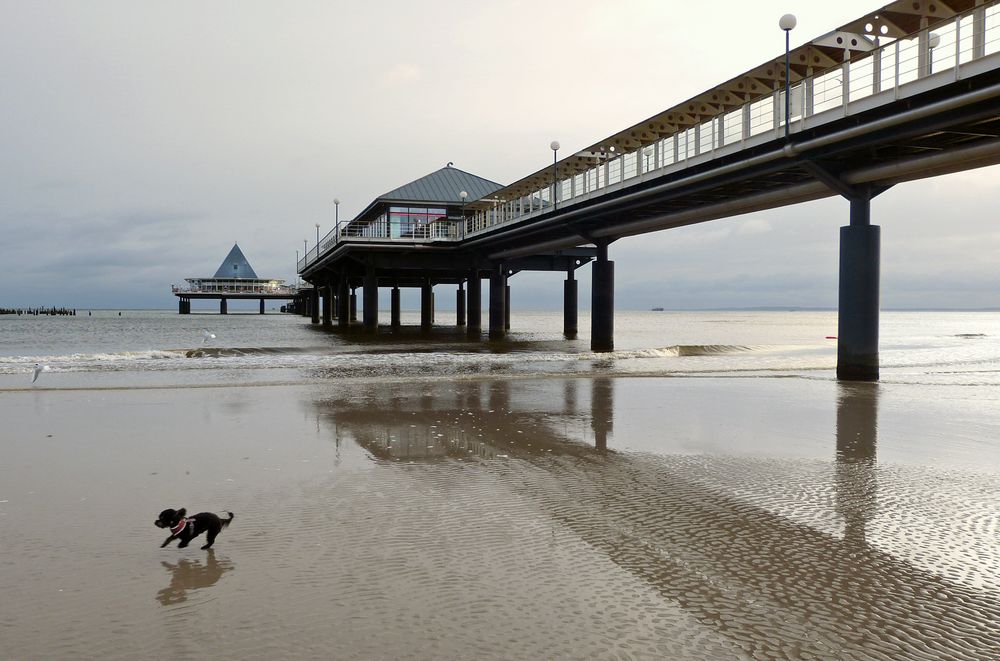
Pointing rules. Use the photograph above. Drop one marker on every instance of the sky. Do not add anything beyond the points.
(140, 140)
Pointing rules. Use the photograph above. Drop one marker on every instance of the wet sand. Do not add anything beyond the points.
(701, 518)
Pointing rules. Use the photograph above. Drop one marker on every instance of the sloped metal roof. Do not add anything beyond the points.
(443, 185)
(235, 265)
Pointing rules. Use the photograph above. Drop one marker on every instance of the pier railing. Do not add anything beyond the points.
(966, 45)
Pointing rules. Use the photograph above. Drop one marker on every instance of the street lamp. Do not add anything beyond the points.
(463, 196)
(787, 23)
(336, 214)
(554, 146)
(296, 269)
(932, 42)
(305, 249)
(317, 239)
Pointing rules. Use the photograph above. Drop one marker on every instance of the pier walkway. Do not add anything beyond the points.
(907, 92)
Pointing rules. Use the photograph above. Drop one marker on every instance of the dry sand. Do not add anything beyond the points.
(548, 518)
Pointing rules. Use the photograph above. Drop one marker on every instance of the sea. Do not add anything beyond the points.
(137, 348)
(708, 490)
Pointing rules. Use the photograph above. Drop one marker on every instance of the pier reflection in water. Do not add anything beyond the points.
(773, 579)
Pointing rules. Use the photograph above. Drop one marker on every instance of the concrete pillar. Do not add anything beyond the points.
(314, 304)
(327, 305)
(426, 305)
(370, 310)
(180, 306)
(474, 309)
(262, 306)
(343, 302)
(498, 315)
(602, 302)
(857, 325)
(354, 303)
(460, 305)
(506, 307)
(570, 304)
(395, 313)
(223, 307)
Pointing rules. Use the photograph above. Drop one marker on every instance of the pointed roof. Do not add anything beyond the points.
(235, 265)
(442, 186)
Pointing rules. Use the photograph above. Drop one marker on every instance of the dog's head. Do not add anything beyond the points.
(170, 518)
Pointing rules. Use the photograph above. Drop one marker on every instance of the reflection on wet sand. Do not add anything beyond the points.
(769, 580)
(187, 575)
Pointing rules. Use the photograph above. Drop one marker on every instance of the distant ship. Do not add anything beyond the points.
(657, 309)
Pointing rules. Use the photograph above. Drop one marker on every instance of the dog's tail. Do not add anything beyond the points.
(226, 522)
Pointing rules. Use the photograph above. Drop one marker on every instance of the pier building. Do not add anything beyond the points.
(908, 91)
(234, 279)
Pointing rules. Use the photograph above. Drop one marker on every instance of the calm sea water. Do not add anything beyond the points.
(163, 348)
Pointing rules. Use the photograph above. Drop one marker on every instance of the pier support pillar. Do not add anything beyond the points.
(395, 310)
(570, 303)
(370, 307)
(506, 306)
(460, 305)
(327, 305)
(343, 303)
(498, 298)
(314, 305)
(262, 306)
(858, 310)
(474, 309)
(426, 305)
(354, 303)
(223, 306)
(602, 302)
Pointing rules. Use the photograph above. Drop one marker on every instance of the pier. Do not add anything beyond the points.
(906, 92)
(235, 279)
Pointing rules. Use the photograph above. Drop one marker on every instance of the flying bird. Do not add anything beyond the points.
(38, 370)
(208, 336)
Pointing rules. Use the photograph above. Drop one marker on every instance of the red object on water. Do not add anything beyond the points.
(831, 337)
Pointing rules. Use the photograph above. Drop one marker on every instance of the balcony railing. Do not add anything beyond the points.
(966, 45)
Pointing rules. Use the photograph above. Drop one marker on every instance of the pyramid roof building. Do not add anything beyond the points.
(235, 266)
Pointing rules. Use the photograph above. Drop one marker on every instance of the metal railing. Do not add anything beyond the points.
(887, 73)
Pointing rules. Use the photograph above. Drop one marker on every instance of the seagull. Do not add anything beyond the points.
(208, 336)
(38, 370)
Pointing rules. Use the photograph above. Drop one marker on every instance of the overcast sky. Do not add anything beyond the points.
(139, 140)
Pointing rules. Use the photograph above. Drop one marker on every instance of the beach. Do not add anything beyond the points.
(502, 513)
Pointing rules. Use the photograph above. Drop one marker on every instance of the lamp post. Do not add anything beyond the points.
(305, 249)
(787, 23)
(463, 196)
(932, 42)
(554, 146)
(296, 269)
(336, 215)
(317, 239)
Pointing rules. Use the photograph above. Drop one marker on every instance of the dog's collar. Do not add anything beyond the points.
(176, 530)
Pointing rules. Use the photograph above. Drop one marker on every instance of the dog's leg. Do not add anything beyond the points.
(211, 540)
(167, 541)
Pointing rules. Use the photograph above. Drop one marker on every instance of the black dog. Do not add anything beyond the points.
(186, 528)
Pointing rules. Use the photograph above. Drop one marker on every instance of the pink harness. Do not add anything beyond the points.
(180, 526)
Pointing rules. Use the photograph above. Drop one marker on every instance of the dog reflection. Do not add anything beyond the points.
(191, 575)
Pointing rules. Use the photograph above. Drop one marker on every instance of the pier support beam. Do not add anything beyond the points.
(262, 306)
(354, 303)
(314, 304)
(858, 317)
(394, 308)
(570, 303)
(602, 302)
(343, 303)
(498, 298)
(223, 306)
(460, 305)
(370, 309)
(506, 306)
(327, 305)
(426, 305)
(474, 310)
